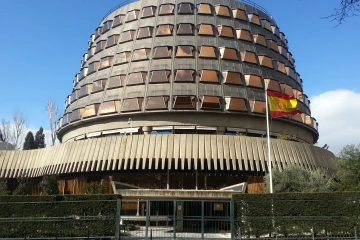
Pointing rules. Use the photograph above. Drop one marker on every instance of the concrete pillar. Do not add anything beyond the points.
(221, 130)
(146, 130)
(180, 216)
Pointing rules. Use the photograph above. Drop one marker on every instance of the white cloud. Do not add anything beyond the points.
(338, 114)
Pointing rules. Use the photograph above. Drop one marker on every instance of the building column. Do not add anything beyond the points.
(146, 130)
(221, 130)
(180, 216)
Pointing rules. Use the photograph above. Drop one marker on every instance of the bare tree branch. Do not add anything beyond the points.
(52, 111)
(348, 8)
(19, 125)
(5, 129)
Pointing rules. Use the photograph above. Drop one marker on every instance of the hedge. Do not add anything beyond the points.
(297, 213)
(57, 216)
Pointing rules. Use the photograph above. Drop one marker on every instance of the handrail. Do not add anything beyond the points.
(248, 2)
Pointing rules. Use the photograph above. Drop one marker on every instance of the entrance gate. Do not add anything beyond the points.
(175, 219)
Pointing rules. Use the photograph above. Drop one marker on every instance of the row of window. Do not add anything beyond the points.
(188, 8)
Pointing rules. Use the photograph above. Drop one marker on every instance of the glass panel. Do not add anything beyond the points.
(98, 86)
(148, 12)
(235, 104)
(100, 46)
(210, 102)
(254, 19)
(204, 8)
(118, 20)
(286, 89)
(116, 81)
(145, 32)
(154, 103)
(206, 29)
(127, 36)
(257, 106)
(90, 111)
(162, 52)
(290, 72)
(282, 51)
(166, 9)
(164, 30)
(132, 104)
(248, 57)
(93, 67)
(209, 76)
(75, 115)
(108, 107)
(239, 14)
(273, 85)
(73, 97)
(243, 35)
(112, 40)
(136, 78)
(207, 52)
(185, 29)
(273, 45)
(232, 78)
(98, 32)
(106, 62)
(184, 75)
(275, 30)
(184, 102)
(122, 57)
(91, 52)
(253, 81)
(107, 26)
(132, 15)
(185, 51)
(266, 24)
(185, 8)
(228, 54)
(266, 62)
(83, 72)
(280, 67)
(142, 53)
(222, 11)
(161, 76)
(260, 39)
(225, 31)
(85, 90)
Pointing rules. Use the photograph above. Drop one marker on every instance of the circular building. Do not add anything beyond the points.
(171, 94)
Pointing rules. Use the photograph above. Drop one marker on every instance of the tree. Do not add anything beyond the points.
(298, 179)
(5, 129)
(96, 187)
(49, 185)
(24, 186)
(52, 111)
(1, 137)
(29, 142)
(3, 188)
(40, 138)
(348, 8)
(19, 125)
(348, 169)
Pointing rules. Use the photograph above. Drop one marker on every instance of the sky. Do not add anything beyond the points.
(42, 43)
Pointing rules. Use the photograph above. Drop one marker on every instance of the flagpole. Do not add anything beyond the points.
(268, 139)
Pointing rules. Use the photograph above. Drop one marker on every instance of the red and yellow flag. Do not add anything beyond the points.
(282, 105)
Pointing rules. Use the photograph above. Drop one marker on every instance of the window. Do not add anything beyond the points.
(136, 78)
(98, 86)
(141, 54)
(127, 36)
(286, 89)
(257, 106)
(275, 31)
(253, 81)
(266, 62)
(160, 76)
(106, 62)
(184, 75)
(282, 36)
(90, 111)
(232, 78)
(166, 9)
(100, 46)
(112, 40)
(145, 32)
(132, 104)
(235, 104)
(279, 66)
(290, 72)
(109, 107)
(210, 76)
(162, 52)
(273, 45)
(283, 51)
(184, 102)
(185, 8)
(93, 67)
(249, 57)
(243, 34)
(157, 103)
(225, 31)
(206, 29)
(118, 20)
(207, 52)
(266, 24)
(260, 40)
(91, 52)
(66, 119)
(107, 26)
(210, 102)
(228, 54)
(116, 81)
(204, 8)
(148, 12)
(297, 94)
(253, 18)
(122, 57)
(272, 85)
(83, 72)
(98, 32)
(185, 51)
(185, 29)
(76, 114)
(222, 11)
(73, 96)
(164, 30)
(85, 90)
(132, 15)
(239, 14)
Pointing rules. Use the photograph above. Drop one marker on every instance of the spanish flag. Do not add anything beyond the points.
(282, 105)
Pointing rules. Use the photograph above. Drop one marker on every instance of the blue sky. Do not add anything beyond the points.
(42, 43)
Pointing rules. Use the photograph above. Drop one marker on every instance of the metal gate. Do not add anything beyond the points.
(175, 219)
